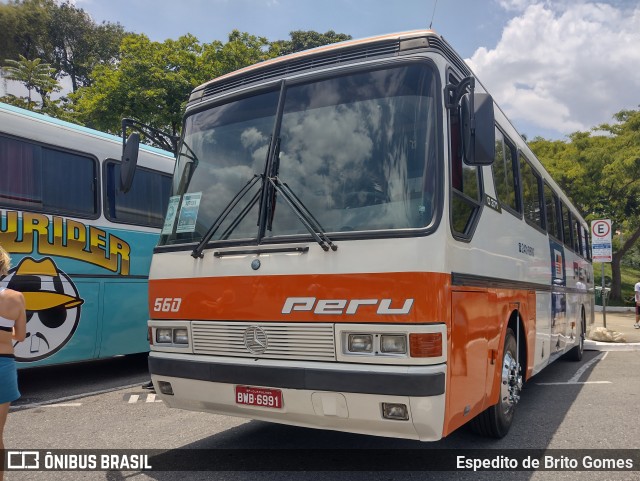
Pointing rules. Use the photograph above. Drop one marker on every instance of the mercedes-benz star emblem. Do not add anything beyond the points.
(255, 340)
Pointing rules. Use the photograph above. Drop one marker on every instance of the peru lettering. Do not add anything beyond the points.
(58, 236)
(343, 306)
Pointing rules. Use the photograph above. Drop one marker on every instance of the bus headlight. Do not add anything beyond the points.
(180, 336)
(163, 336)
(393, 343)
(399, 344)
(360, 343)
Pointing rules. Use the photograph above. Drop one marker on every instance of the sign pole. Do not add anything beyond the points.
(602, 251)
(604, 301)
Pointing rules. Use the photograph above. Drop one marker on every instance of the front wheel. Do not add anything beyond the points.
(495, 421)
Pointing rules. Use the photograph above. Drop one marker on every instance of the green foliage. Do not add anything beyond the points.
(79, 44)
(306, 39)
(629, 275)
(600, 169)
(240, 51)
(24, 27)
(151, 83)
(33, 74)
(60, 34)
(11, 99)
(115, 74)
(153, 80)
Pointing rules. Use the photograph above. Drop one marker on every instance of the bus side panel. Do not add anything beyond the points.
(124, 325)
(478, 328)
(471, 313)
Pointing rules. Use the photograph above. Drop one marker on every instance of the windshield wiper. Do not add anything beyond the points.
(240, 217)
(197, 252)
(303, 214)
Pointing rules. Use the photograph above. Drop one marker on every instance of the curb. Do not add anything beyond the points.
(617, 309)
(590, 345)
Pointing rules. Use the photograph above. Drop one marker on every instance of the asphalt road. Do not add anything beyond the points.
(44, 384)
(590, 405)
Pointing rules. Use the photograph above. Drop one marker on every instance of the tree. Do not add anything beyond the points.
(24, 29)
(600, 170)
(79, 44)
(306, 39)
(59, 33)
(33, 74)
(151, 83)
(152, 80)
(241, 50)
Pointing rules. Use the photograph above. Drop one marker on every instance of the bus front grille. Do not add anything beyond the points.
(296, 341)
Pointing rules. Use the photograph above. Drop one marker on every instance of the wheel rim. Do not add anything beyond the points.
(511, 383)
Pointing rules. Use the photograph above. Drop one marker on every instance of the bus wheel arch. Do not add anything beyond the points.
(575, 353)
(516, 324)
(496, 420)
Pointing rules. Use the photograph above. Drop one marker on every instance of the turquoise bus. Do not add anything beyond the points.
(80, 247)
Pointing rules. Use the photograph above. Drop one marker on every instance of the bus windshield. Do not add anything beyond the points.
(359, 150)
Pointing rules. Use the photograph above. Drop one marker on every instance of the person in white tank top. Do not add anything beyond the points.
(13, 327)
(637, 292)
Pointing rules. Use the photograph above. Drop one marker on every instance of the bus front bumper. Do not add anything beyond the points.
(335, 396)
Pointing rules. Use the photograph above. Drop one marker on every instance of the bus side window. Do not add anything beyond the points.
(551, 212)
(466, 192)
(585, 243)
(576, 235)
(146, 202)
(505, 173)
(531, 193)
(40, 178)
(566, 225)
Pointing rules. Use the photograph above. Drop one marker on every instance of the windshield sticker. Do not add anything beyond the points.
(170, 219)
(189, 212)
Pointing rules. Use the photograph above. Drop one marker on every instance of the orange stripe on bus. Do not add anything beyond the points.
(262, 298)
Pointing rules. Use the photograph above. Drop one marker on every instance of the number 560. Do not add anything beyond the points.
(167, 304)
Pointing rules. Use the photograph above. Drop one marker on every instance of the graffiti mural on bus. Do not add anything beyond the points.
(53, 307)
(30, 232)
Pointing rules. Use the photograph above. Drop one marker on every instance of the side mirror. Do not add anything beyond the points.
(129, 161)
(478, 129)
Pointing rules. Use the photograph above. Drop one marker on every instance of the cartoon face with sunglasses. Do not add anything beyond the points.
(52, 303)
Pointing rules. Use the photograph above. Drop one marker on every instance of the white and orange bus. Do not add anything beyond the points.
(359, 240)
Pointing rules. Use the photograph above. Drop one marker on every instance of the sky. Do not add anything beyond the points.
(554, 67)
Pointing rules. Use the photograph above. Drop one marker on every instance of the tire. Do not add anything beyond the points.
(575, 354)
(495, 421)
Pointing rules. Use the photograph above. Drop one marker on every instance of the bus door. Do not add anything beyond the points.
(123, 327)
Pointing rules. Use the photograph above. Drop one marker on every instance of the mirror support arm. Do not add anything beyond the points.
(166, 141)
(455, 92)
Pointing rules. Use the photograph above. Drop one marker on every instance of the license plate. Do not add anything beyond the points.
(259, 396)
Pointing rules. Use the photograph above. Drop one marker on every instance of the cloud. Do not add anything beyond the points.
(564, 66)
(517, 5)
